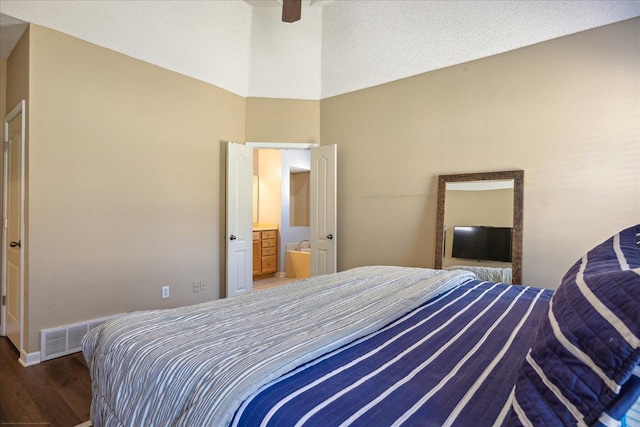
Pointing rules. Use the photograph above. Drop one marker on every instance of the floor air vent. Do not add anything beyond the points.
(56, 342)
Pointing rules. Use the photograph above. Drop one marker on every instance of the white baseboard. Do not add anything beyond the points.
(29, 359)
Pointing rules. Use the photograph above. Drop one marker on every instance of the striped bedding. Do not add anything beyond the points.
(583, 367)
(193, 366)
(452, 361)
(490, 274)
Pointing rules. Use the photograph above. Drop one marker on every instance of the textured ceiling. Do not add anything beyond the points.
(11, 29)
(337, 47)
(367, 43)
(278, 3)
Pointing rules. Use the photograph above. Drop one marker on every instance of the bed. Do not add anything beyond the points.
(494, 274)
(381, 346)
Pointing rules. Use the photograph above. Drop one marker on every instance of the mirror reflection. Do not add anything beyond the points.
(480, 224)
(479, 237)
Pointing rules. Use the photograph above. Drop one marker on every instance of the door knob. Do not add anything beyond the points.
(16, 244)
(330, 236)
(232, 237)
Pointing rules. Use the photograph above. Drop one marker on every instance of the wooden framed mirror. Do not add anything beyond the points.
(505, 189)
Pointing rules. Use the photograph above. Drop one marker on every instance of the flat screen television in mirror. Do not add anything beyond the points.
(482, 243)
(515, 176)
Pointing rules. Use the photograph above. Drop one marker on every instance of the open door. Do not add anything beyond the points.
(239, 235)
(322, 216)
(13, 228)
(323, 210)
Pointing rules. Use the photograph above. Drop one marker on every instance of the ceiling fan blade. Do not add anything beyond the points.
(291, 10)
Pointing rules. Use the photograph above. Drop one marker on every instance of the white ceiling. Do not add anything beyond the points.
(278, 3)
(11, 29)
(338, 46)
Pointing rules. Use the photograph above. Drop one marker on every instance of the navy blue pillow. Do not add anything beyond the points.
(581, 364)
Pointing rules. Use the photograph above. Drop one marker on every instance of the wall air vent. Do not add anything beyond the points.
(56, 342)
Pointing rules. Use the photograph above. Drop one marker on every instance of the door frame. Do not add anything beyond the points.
(18, 109)
(282, 145)
(298, 146)
(252, 145)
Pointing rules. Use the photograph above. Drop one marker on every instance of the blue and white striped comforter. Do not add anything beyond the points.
(195, 365)
(452, 361)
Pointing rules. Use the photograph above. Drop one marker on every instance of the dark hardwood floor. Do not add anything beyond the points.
(53, 393)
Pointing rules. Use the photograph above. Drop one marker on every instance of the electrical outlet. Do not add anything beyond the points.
(202, 287)
(196, 287)
(165, 292)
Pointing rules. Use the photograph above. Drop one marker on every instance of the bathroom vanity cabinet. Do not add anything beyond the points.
(265, 253)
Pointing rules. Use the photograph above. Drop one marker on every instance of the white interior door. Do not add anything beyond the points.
(13, 226)
(323, 210)
(239, 219)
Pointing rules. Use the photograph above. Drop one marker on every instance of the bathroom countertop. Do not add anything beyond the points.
(264, 227)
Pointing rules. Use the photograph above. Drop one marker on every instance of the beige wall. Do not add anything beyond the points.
(299, 199)
(126, 182)
(492, 208)
(269, 186)
(3, 113)
(565, 111)
(18, 72)
(3, 88)
(282, 120)
(128, 174)
(127, 163)
(18, 89)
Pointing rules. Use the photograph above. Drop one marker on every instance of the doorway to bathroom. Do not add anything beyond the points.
(281, 191)
(322, 215)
